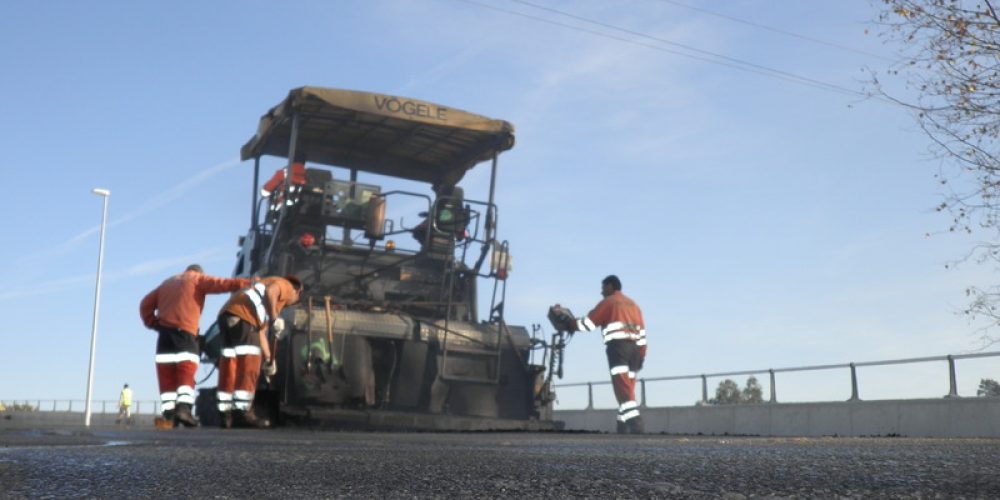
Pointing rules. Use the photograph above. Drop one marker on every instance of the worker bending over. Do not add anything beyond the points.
(244, 322)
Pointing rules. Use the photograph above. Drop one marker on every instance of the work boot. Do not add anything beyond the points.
(635, 426)
(249, 419)
(184, 416)
(622, 427)
(168, 416)
(226, 419)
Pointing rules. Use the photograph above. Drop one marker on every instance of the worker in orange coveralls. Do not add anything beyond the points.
(624, 334)
(244, 322)
(173, 309)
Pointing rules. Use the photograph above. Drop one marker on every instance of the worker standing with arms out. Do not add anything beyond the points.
(125, 406)
(173, 309)
(243, 322)
(624, 335)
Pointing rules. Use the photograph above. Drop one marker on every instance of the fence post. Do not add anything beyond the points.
(70, 408)
(590, 396)
(642, 386)
(854, 384)
(952, 383)
(704, 390)
(774, 395)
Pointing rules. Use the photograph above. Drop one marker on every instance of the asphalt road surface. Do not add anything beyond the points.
(300, 463)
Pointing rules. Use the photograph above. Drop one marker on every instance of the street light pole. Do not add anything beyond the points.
(104, 193)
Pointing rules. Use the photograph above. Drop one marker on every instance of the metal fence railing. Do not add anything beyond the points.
(152, 407)
(950, 358)
(110, 406)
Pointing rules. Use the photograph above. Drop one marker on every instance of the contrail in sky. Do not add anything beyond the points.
(151, 204)
(439, 71)
(141, 269)
(161, 199)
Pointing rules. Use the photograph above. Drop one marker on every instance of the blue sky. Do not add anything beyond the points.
(758, 222)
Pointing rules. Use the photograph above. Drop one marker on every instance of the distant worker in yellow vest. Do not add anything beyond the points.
(125, 406)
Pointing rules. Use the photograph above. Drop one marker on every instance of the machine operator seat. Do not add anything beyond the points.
(451, 219)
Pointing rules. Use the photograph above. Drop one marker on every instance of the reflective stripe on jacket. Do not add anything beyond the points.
(277, 293)
(256, 295)
(619, 318)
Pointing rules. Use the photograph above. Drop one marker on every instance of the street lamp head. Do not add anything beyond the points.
(101, 192)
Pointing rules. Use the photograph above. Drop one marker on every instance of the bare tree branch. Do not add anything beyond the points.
(949, 59)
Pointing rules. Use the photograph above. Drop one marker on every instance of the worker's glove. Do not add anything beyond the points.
(270, 368)
(562, 319)
(278, 326)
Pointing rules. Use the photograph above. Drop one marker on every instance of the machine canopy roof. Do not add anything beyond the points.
(383, 134)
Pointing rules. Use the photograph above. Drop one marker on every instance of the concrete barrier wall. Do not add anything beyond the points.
(65, 419)
(947, 417)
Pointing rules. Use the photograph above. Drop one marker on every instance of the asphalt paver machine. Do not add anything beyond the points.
(389, 332)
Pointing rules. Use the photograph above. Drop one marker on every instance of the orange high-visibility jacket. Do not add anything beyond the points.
(278, 293)
(278, 179)
(179, 300)
(619, 317)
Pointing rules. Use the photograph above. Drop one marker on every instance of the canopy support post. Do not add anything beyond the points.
(256, 186)
(292, 141)
(490, 229)
(350, 194)
(288, 186)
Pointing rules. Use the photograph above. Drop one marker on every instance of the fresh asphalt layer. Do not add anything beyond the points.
(303, 463)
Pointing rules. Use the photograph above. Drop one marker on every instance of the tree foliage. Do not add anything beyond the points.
(729, 393)
(753, 393)
(950, 61)
(988, 388)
